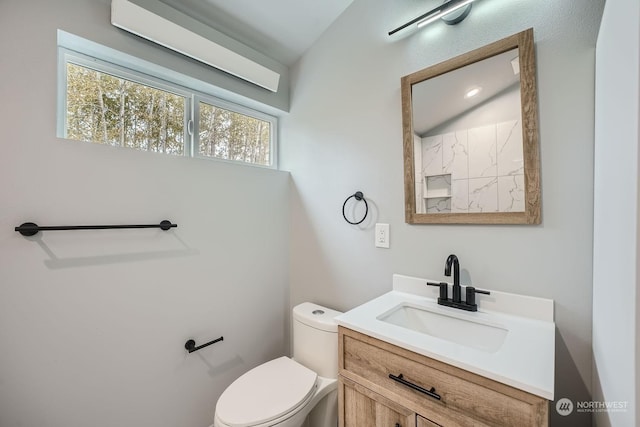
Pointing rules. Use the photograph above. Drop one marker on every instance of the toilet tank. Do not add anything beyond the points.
(315, 338)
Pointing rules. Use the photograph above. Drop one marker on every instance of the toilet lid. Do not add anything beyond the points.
(265, 393)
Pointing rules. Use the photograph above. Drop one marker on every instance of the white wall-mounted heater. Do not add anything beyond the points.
(146, 24)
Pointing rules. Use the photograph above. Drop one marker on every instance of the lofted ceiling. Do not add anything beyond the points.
(493, 75)
(281, 29)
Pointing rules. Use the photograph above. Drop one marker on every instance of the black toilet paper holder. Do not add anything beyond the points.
(191, 345)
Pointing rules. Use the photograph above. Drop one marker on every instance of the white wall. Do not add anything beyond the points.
(93, 324)
(344, 134)
(616, 232)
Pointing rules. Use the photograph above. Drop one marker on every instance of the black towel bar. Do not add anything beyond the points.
(30, 228)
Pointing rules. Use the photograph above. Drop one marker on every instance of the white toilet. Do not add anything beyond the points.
(290, 392)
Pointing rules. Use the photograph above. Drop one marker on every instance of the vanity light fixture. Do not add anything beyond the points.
(445, 11)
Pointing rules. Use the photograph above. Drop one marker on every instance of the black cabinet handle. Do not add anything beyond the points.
(430, 393)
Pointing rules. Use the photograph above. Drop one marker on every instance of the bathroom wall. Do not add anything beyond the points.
(93, 324)
(616, 232)
(344, 134)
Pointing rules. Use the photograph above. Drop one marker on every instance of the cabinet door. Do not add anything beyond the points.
(423, 422)
(362, 407)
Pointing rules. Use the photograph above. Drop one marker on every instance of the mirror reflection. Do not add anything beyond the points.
(468, 145)
(471, 137)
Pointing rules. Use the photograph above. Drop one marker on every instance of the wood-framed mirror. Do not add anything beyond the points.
(470, 135)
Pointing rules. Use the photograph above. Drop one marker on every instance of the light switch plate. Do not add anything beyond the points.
(382, 235)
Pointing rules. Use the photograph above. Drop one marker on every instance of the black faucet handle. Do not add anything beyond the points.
(444, 289)
(471, 294)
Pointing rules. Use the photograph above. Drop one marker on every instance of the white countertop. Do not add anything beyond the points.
(525, 360)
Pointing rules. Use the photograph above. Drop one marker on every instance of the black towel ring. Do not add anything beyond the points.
(358, 196)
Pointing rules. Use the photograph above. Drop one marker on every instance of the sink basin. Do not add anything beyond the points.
(467, 332)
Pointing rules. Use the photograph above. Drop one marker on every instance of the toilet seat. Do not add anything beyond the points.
(273, 390)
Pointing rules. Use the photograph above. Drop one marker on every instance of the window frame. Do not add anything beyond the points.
(192, 96)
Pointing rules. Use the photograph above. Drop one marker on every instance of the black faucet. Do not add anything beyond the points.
(453, 260)
(469, 304)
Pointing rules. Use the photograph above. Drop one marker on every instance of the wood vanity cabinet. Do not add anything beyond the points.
(425, 392)
(363, 407)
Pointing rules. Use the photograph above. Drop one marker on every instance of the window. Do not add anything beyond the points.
(229, 135)
(111, 110)
(108, 104)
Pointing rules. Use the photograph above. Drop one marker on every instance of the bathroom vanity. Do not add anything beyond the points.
(459, 398)
(405, 361)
